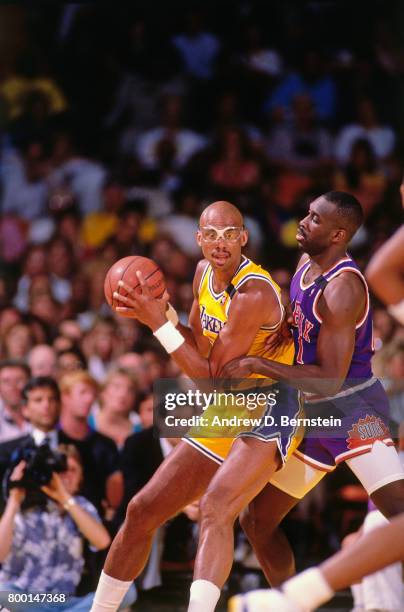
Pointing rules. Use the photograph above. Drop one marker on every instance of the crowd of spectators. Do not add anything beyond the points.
(118, 126)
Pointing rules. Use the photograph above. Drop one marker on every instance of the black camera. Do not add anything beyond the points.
(41, 462)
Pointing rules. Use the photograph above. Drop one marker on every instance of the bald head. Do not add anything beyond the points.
(223, 214)
(42, 360)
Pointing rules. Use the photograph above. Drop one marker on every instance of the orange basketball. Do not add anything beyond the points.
(125, 269)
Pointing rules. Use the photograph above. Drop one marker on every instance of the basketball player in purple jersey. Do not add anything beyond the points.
(332, 331)
(372, 551)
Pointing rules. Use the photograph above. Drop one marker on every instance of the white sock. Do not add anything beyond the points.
(204, 596)
(109, 594)
(357, 595)
(308, 590)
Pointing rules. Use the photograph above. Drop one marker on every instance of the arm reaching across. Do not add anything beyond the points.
(254, 305)
(341, 305)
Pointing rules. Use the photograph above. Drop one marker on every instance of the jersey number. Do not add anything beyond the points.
(304, 326)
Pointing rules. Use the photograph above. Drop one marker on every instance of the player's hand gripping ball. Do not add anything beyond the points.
(125, 270)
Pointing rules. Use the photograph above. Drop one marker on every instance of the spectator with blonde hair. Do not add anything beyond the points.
(136, 365)
(102, 478)
(100, 345)
(116, 418)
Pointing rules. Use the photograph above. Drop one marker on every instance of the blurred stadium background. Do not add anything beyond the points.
(120, 123)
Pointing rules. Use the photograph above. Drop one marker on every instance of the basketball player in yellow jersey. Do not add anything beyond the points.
(236, 307)
(213, 312)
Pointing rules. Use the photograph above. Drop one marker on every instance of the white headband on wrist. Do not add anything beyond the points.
(169, 337)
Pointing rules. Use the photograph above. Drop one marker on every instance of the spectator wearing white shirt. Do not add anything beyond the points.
(182, 226)
(35, 264)
(185, 142)
(198, 49)
(83, 176)
(302, 145)
(25, 189)
(61, 267)
(367, 127)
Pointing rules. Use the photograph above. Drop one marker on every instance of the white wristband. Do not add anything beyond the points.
(308, 590)
(169, 337)
(69, 503)
(397, 311)
(172, 315)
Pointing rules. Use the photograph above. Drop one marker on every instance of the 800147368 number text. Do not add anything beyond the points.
(35, 598)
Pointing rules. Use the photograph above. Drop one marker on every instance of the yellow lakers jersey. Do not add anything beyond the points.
(214, 308)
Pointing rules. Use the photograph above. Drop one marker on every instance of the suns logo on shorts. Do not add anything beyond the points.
(210, 323)
(368, 430)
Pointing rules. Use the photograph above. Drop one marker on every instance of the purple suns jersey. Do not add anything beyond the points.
(307, 321)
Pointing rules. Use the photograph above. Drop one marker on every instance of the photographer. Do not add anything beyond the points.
(41, 547)
(43, 527)
(41, 409)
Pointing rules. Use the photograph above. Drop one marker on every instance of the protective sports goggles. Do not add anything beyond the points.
(210, 233)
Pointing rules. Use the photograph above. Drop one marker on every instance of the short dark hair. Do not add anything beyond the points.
(348, 208)
(41, 382)
(138, 206)
(15, 363)
(74, 350)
